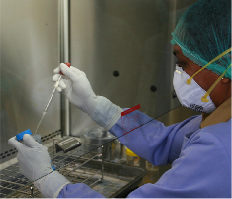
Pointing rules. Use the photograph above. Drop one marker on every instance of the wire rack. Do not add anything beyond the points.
(89, 165)
(71, 164)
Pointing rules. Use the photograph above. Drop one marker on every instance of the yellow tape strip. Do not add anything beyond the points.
(204, 98)
(215, 59)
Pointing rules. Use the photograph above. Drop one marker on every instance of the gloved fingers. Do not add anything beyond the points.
(68, 84)
(20, 157)
(12, 141)
(59, 89)
(68, 72)
(62, 85)
(76, 70)
(64, 67)
(21, 168)
(55, 77)
(82, 73)
(56, 70)
(29, 141)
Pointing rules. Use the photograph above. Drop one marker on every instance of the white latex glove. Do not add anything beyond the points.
(34, 159)
(76, 88)
(80, 93)
(35, 163)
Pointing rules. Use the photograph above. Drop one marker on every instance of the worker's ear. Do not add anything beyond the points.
(225, 80)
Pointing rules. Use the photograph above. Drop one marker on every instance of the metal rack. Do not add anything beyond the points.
(78, 166)
(71, 164)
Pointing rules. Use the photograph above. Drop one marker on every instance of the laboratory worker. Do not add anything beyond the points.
(198, 148)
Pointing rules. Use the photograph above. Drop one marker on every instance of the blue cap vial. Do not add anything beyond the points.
(20, 135)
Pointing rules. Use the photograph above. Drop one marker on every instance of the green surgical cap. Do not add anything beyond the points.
(204, 32)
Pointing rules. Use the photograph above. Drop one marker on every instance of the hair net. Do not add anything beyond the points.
(204, 32)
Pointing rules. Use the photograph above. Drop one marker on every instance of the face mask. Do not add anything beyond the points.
(190, 95)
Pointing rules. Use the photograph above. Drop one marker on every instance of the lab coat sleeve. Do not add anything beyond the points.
(153, 141)
(203, 170)
(78, 190)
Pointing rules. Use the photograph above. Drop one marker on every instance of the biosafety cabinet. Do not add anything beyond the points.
(124, 48)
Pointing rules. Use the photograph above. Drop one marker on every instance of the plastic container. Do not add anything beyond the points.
(151, 167)
(118, 152)
(36, 137)
(132, 158)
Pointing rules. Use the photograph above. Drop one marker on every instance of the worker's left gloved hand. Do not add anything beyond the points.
(34, 159)
(35, 163)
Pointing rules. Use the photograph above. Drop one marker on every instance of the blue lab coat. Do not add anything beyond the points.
(200, 157)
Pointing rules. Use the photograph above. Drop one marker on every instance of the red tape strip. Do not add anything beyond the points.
(131, 110)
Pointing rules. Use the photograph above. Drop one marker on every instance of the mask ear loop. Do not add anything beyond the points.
(215, 59)
(204, 98)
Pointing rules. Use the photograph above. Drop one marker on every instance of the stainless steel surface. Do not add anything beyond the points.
(52, 94)
(129, 37)
(29, 53)
(103, 157)
(67, 144)
(64, 10)
(97, 136)
(44, 113)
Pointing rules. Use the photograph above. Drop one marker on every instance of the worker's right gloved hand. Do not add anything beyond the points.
(76, 88)
(79, 92)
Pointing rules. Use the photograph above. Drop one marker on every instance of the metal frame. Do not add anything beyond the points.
(64, 15)
(16, 185)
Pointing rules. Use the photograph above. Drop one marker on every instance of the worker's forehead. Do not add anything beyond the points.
(177, 50)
